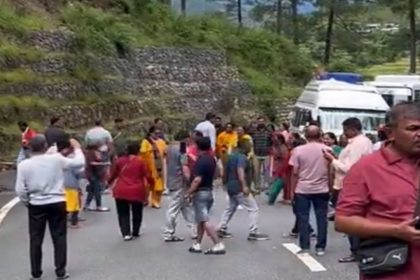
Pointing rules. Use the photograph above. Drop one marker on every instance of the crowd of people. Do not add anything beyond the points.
(260, 158)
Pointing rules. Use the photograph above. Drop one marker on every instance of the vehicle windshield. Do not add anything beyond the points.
(395, 95)
(332, 119)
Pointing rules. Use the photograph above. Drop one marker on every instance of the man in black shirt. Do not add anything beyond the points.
(201, 192)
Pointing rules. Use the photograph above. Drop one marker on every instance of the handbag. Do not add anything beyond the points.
(384, 256)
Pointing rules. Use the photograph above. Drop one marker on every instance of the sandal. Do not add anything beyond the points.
(174, 239)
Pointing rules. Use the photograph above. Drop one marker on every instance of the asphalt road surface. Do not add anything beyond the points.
(97, 252)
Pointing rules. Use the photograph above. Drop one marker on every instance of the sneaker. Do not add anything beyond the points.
(195, 248)
(65, 276)
(128, 238)
(320, 252)
(218, 249)
(102, 209)
(173, 238)
(257, 237)
(224, 234)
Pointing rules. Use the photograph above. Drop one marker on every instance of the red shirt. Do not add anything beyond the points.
(27, 135)
(192, 154)
(383, 187)
(131, 174)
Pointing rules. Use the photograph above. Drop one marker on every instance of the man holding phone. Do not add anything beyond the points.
(380, 192)
(359, 145)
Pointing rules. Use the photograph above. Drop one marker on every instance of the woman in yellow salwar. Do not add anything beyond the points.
(226, 142)
(153, 152)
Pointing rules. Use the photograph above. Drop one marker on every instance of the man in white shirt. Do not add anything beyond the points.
(40, 186)
(208, 129)
(358, 146)
(99, 136)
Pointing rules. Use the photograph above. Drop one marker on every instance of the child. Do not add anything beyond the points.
(72, 187)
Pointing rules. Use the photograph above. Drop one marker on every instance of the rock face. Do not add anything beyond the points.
(171, 80)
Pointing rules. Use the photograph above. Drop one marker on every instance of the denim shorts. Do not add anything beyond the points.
(202, 203)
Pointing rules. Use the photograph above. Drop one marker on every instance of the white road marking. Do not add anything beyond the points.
(307, 259)
(6, 208)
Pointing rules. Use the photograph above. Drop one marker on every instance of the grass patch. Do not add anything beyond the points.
(18, 22)
(84, 70)
(91, 99)
(23, 102)
(400, 67)
(18, 76)
(11, 52)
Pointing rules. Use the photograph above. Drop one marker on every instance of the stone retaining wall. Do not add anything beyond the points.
(179, 84)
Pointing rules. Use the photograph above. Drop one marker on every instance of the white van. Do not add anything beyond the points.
(332, 102)
(397, 88)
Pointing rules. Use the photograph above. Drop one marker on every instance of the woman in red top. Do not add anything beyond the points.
(279, 166)
(130, 176)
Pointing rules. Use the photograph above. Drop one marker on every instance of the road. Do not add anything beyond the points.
(97, 252)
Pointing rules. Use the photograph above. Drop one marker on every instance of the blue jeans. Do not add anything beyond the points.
(303, 206)
(23, 154)
(94, 191)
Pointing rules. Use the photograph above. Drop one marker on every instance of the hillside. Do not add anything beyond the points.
(137, 60)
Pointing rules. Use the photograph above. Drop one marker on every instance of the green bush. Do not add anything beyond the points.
(18, 23)
(268, 61)
(98, 30)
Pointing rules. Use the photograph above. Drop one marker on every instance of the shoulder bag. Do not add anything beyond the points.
(385, 256)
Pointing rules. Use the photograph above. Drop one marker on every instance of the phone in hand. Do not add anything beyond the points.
(417, 225)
